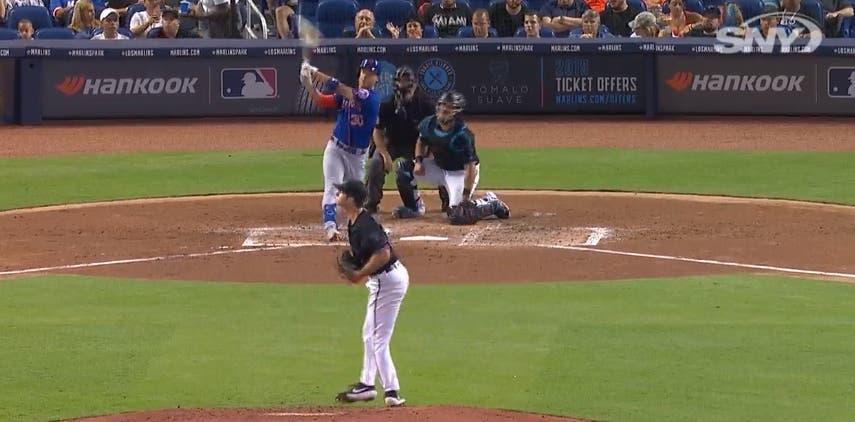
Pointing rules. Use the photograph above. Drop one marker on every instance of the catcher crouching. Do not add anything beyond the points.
(445, 156)
(371, 257)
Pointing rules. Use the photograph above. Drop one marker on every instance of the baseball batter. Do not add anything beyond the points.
(344, 156)
(445, 156)
(371, 255)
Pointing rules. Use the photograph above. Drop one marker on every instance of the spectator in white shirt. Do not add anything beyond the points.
(110, 26)
(146, 20)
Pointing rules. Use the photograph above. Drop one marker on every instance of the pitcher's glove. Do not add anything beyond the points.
(466, 213)
(347, 266)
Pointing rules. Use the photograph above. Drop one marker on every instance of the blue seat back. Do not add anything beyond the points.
(7, 34)
(54, 34)
(334, 15)
(395, 11)
(39, 16)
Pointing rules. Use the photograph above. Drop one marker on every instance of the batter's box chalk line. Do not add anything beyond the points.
(483, 235)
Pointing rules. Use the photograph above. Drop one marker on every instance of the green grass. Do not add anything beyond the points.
(699, 349)
(810, 176)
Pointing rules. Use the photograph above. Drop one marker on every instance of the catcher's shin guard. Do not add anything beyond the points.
(406, 182)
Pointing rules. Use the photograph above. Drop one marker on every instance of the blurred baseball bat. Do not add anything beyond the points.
(310, 36)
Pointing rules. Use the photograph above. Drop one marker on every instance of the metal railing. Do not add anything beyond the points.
(251, 9)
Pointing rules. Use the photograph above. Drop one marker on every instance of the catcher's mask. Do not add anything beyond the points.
(405, 87)
(448, 105)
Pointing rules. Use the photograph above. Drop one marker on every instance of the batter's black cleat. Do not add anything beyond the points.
(357, 392)
(393, 399)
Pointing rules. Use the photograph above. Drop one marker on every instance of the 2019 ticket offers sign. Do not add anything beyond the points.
(593, 83)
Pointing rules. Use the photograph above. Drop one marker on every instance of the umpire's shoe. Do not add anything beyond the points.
(393, 399)
(357, 392)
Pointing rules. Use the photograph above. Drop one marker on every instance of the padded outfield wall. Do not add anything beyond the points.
(53, 79)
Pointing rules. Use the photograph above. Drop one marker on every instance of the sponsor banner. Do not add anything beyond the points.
(594, 83)
(83, 88)
(731, 84)
(7, 90)
(490, 83)
(836, 86)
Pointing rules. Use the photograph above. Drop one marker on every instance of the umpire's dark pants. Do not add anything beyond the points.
(375, 178)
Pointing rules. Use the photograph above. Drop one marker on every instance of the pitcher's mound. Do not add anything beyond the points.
(332, 414)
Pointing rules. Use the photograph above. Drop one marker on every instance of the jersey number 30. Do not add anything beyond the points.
(356, 120)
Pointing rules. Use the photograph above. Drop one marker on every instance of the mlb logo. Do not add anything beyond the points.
(248, 83)
(841, 82)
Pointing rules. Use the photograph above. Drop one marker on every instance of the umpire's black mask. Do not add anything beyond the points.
(405, 87)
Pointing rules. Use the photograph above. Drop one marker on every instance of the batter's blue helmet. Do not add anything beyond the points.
(370, 64)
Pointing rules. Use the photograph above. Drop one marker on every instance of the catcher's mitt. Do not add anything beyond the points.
(464, 214)
(347, 265)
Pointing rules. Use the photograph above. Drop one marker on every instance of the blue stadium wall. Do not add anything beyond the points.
(53, 79)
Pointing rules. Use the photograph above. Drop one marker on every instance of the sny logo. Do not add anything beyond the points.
(71, 85)
(249, 83)
(680, 81)
(841, 82)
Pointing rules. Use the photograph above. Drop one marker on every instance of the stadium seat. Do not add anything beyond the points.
(334, 15)
(7, 34)
(544, 33)
(395, 11)
(466, 32)
(482, 4)
(365, 4)
(429, 32)
(535, 5)
(39, 16)
(307, 9)
(694, 6)
(750, 8)
(814, 8)
(847, 28)
(708, 3)
(132, 9)
(54, 34)
(637, 4)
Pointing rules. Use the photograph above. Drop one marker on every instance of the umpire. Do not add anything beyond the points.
(396, 133)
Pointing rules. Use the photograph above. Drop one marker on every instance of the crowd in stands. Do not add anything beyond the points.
(123, 19)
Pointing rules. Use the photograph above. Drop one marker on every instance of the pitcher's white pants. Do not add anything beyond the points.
(385, 294)
(454, 181)
(339, 165)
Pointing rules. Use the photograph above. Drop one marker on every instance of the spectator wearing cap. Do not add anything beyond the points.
(835, 11)
(83, 21)
(412, 29)
(109, 26)
(147, 19)
(708, 26)
(363, 26)
(531, 24)
(447, 17)
(25, 29)
(644, 26)
(507, 17)
(591, 27)
(617, 17)
(562, 16)
(481, 23)
(171, 27)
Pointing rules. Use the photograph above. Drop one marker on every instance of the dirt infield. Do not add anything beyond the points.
(551, 236)
(334, 414)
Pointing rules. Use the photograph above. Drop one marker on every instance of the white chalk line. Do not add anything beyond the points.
(701, 261)
(160, 258)
(309, 415)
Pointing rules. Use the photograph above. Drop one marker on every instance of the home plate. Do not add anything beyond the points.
(423, 238)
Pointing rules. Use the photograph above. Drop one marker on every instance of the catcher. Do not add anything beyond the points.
(372, 257)
(445, 156)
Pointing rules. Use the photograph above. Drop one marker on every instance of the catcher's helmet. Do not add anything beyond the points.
(454, 99)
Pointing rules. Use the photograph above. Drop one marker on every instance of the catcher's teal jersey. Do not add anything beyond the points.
(452, 150)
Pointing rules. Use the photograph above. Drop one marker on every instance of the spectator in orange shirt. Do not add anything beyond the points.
(598, 5)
